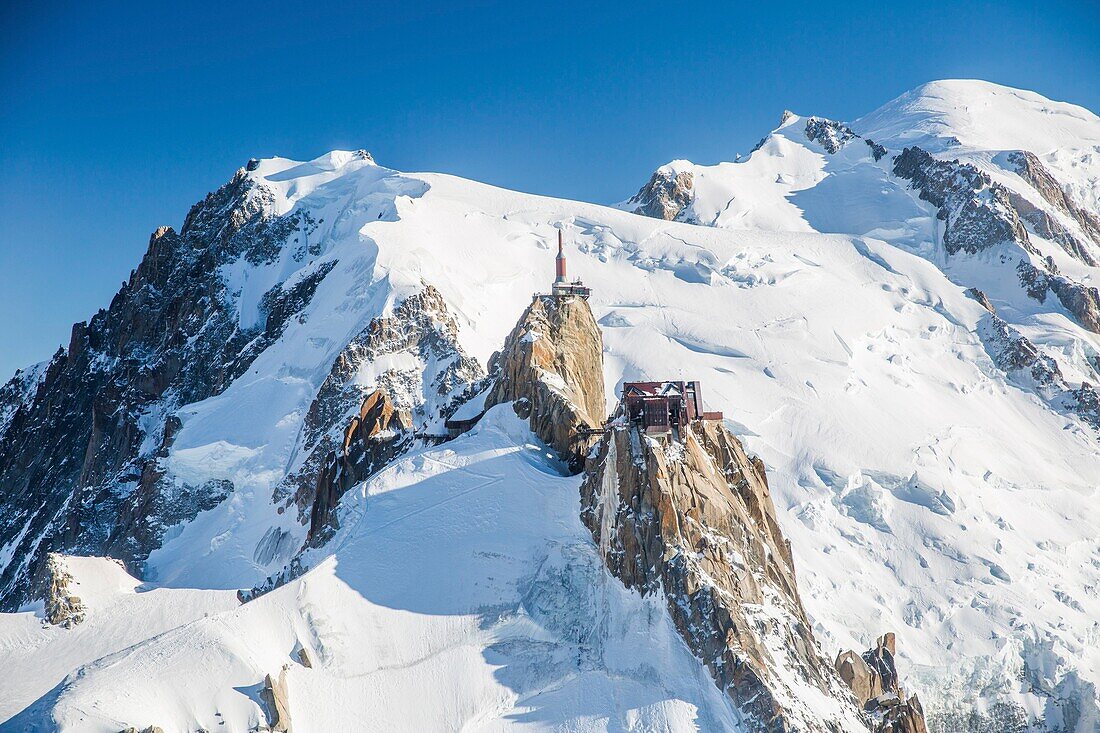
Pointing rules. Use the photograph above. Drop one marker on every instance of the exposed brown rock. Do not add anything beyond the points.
(858, 676)
(551, 367)
(873, 678)
(982, 299)
(372, 439)
(421, 324)
(1032, 170)
(276, 696)
(666, 195)
(1082, 301)
(696, 520)
(1049, 227)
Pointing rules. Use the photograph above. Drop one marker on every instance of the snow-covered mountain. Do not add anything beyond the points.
(261, 408)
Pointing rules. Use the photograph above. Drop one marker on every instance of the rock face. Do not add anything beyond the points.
(873, 679)
(352, 430)
(979, 214)
(830, 134)
(1032, 170)
(1082, 301)
(976, 212)
(1051, 228)
(372, 439)
(79, 440)
(277, 698)
(982, 299)
(695, 520)
(551, 367)
(666, 196)
(62, 607)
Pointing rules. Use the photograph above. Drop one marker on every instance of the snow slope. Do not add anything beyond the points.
(464, 594)
(969, 116)
(923, 490)
(121, 611)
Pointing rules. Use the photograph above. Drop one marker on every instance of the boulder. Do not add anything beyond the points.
(276, 697)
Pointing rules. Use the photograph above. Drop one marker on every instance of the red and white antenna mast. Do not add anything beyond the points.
(560, 262)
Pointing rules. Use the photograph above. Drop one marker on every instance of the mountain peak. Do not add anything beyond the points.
(975, 114)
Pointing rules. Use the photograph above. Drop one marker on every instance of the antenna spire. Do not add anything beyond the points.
(559, 269)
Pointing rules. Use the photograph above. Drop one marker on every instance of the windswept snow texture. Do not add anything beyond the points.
(924, 490)
(464, 593)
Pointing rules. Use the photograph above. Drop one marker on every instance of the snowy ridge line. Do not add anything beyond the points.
(921, 488)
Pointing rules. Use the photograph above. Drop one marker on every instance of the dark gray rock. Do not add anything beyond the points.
(1082, 301)
(877, 151)
(73, 475)
(830, 134)
(1023, 363)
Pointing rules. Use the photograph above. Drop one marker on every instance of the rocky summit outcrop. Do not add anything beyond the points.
(81, 436)
(873, 679)
(693, 518)
(667, 194)
(976, 212)
(551, 369)
(63, 608)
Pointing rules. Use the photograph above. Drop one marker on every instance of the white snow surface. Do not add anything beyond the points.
(923, 491)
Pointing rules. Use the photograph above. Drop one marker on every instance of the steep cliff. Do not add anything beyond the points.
(418, 372)
(79, 448)
(551, 367)
(694, 519)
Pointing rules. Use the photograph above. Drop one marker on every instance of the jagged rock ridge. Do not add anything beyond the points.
(76, 476)
(351, 430)
(873, 678)
(694, 519)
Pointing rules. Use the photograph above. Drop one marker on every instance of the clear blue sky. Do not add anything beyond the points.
(116, 117)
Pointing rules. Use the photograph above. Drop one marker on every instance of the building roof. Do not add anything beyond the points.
(653, 389)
